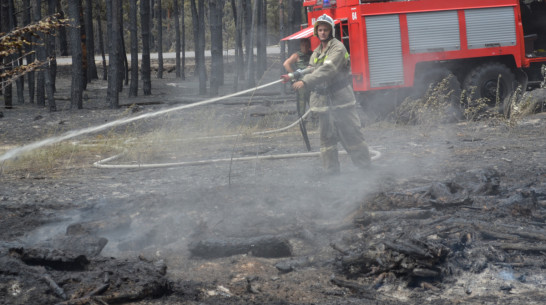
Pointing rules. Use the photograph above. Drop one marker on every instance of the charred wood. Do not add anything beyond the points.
(265, 246)
(408, 249)
(337, 248)
(504, 232)
(53, 258)
(363, 291)
(294, 264)
(525, 247)
(368, 217)
(53, 285)
(424, 272)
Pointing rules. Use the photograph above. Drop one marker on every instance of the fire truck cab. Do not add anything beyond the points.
(399, 44)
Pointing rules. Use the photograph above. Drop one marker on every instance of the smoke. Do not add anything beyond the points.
(158, 210)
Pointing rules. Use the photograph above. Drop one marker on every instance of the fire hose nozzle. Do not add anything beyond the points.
(296, 75)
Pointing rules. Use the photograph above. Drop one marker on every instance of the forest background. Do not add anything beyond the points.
(34, 33)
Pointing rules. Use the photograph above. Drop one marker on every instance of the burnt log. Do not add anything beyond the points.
(412, 258)
(532, 235)
(488, 234)
(501, 232)
(52, 258)
(264, 246)
(87, 245)
(425, 272)
(524, 247)
(366, 218)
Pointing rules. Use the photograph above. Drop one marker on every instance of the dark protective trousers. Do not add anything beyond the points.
(342, 125)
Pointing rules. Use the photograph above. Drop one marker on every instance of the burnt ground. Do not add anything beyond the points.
(449, 214)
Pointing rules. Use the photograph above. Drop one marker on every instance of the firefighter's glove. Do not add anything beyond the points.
(293, 76)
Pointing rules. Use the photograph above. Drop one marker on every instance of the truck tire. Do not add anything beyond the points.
(431, 78)
(444, 87)
(483, 82)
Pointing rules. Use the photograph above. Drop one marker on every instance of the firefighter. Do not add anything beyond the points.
(296, 61)
(332, 97)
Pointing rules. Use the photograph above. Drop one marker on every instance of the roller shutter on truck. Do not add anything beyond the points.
(490, 27)
(433, 32)
(384, 50)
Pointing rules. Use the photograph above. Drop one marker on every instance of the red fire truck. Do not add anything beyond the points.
(399, 44)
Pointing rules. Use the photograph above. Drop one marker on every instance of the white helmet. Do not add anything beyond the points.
(324, 19)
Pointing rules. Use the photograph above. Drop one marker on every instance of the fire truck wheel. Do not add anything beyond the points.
(483, 82)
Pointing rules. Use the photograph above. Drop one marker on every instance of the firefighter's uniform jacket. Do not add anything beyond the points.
(332, 97)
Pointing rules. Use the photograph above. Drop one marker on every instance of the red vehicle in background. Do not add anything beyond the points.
(404, 44)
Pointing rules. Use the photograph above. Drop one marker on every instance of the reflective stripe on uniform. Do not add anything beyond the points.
(320, 60)
(329, 148)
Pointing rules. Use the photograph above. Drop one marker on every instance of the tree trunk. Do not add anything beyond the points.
(198, 15)
(20, 80)
(250, 68)
(294, 23)
(91, 66)
(261, 39)
(195, 26)
(145, 32)
(113, 55)
(83, 41)
(177, 38)
(40, 56)
(51, 68)
(51, 10)
(282, 42)
(76, 90)
(183, 13)
(133, 89)
(30, 58)
(4, 27)
(202, 66)
(217, 61)
(239, 53)
(123, 64)
(237, 8)
(159, 39)
(62, 31)
(100, 35)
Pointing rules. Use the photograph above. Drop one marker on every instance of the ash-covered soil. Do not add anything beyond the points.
(448, 214)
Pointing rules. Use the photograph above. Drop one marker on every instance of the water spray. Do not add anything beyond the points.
(71, 134)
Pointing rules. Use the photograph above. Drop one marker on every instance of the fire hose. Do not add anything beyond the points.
(100, 164)
(71, 134)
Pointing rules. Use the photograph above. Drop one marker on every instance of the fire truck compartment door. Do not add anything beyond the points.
(434, 31)
(384, 50)
(490, 27)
